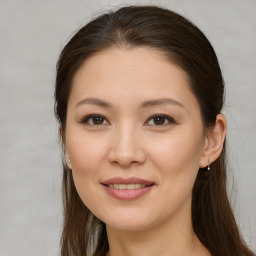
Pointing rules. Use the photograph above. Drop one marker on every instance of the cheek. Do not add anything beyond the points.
(87, 155)
(176, 152)
(86, 152)
(177, 160)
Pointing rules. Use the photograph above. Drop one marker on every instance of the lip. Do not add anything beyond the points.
(131, 180)
(125, 194)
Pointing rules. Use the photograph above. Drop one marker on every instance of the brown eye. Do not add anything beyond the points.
(97, 120)
(94, 119)
(160, 120)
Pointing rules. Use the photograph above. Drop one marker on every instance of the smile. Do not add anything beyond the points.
(126, 186)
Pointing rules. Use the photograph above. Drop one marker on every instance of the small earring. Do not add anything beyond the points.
(69, 164)
(209, 166)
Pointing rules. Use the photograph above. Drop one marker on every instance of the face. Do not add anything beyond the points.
(134, 136)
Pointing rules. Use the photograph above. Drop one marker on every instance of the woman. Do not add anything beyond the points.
(139, 94)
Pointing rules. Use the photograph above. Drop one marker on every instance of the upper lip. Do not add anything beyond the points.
(132, 180)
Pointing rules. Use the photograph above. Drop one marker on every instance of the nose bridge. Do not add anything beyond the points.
(126, 145)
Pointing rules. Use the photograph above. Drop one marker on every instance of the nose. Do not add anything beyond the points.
(126, 147)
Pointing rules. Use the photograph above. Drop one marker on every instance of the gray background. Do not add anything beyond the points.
(32, 34)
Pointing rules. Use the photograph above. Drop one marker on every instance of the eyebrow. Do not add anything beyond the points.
(148, 103)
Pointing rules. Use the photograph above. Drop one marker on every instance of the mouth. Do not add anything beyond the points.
(127, 189)
(127, 186)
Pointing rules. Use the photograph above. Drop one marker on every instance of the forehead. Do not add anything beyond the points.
(121, 74)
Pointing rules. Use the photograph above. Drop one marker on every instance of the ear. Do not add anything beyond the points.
(68, 162)
(62, 137)
(214, 141)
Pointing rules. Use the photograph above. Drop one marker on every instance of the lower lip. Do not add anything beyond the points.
(127, 194)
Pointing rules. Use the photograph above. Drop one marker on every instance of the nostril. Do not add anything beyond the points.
(126, 155)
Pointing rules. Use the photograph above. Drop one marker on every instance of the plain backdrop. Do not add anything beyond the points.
(32, 33)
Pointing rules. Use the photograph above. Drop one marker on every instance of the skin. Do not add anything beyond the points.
(127, 142)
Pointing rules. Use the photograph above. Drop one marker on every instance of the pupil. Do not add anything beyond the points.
(159, 120)
(97, 120)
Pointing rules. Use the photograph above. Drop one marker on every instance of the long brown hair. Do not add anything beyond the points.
(186, 46)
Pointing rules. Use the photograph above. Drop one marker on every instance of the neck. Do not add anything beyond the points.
(173, 238)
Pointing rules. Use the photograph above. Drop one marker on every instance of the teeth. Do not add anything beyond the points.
(138, 186)
(122, 186)
(131, 186)
(127, 186)
(116, 186)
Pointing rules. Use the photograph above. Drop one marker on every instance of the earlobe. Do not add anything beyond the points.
(214, 142)
(61, 134)
(68, 162)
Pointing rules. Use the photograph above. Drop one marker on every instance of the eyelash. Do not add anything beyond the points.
(85, 120)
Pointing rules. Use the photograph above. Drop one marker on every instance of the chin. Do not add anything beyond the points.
(131, 221)
(132, 226)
